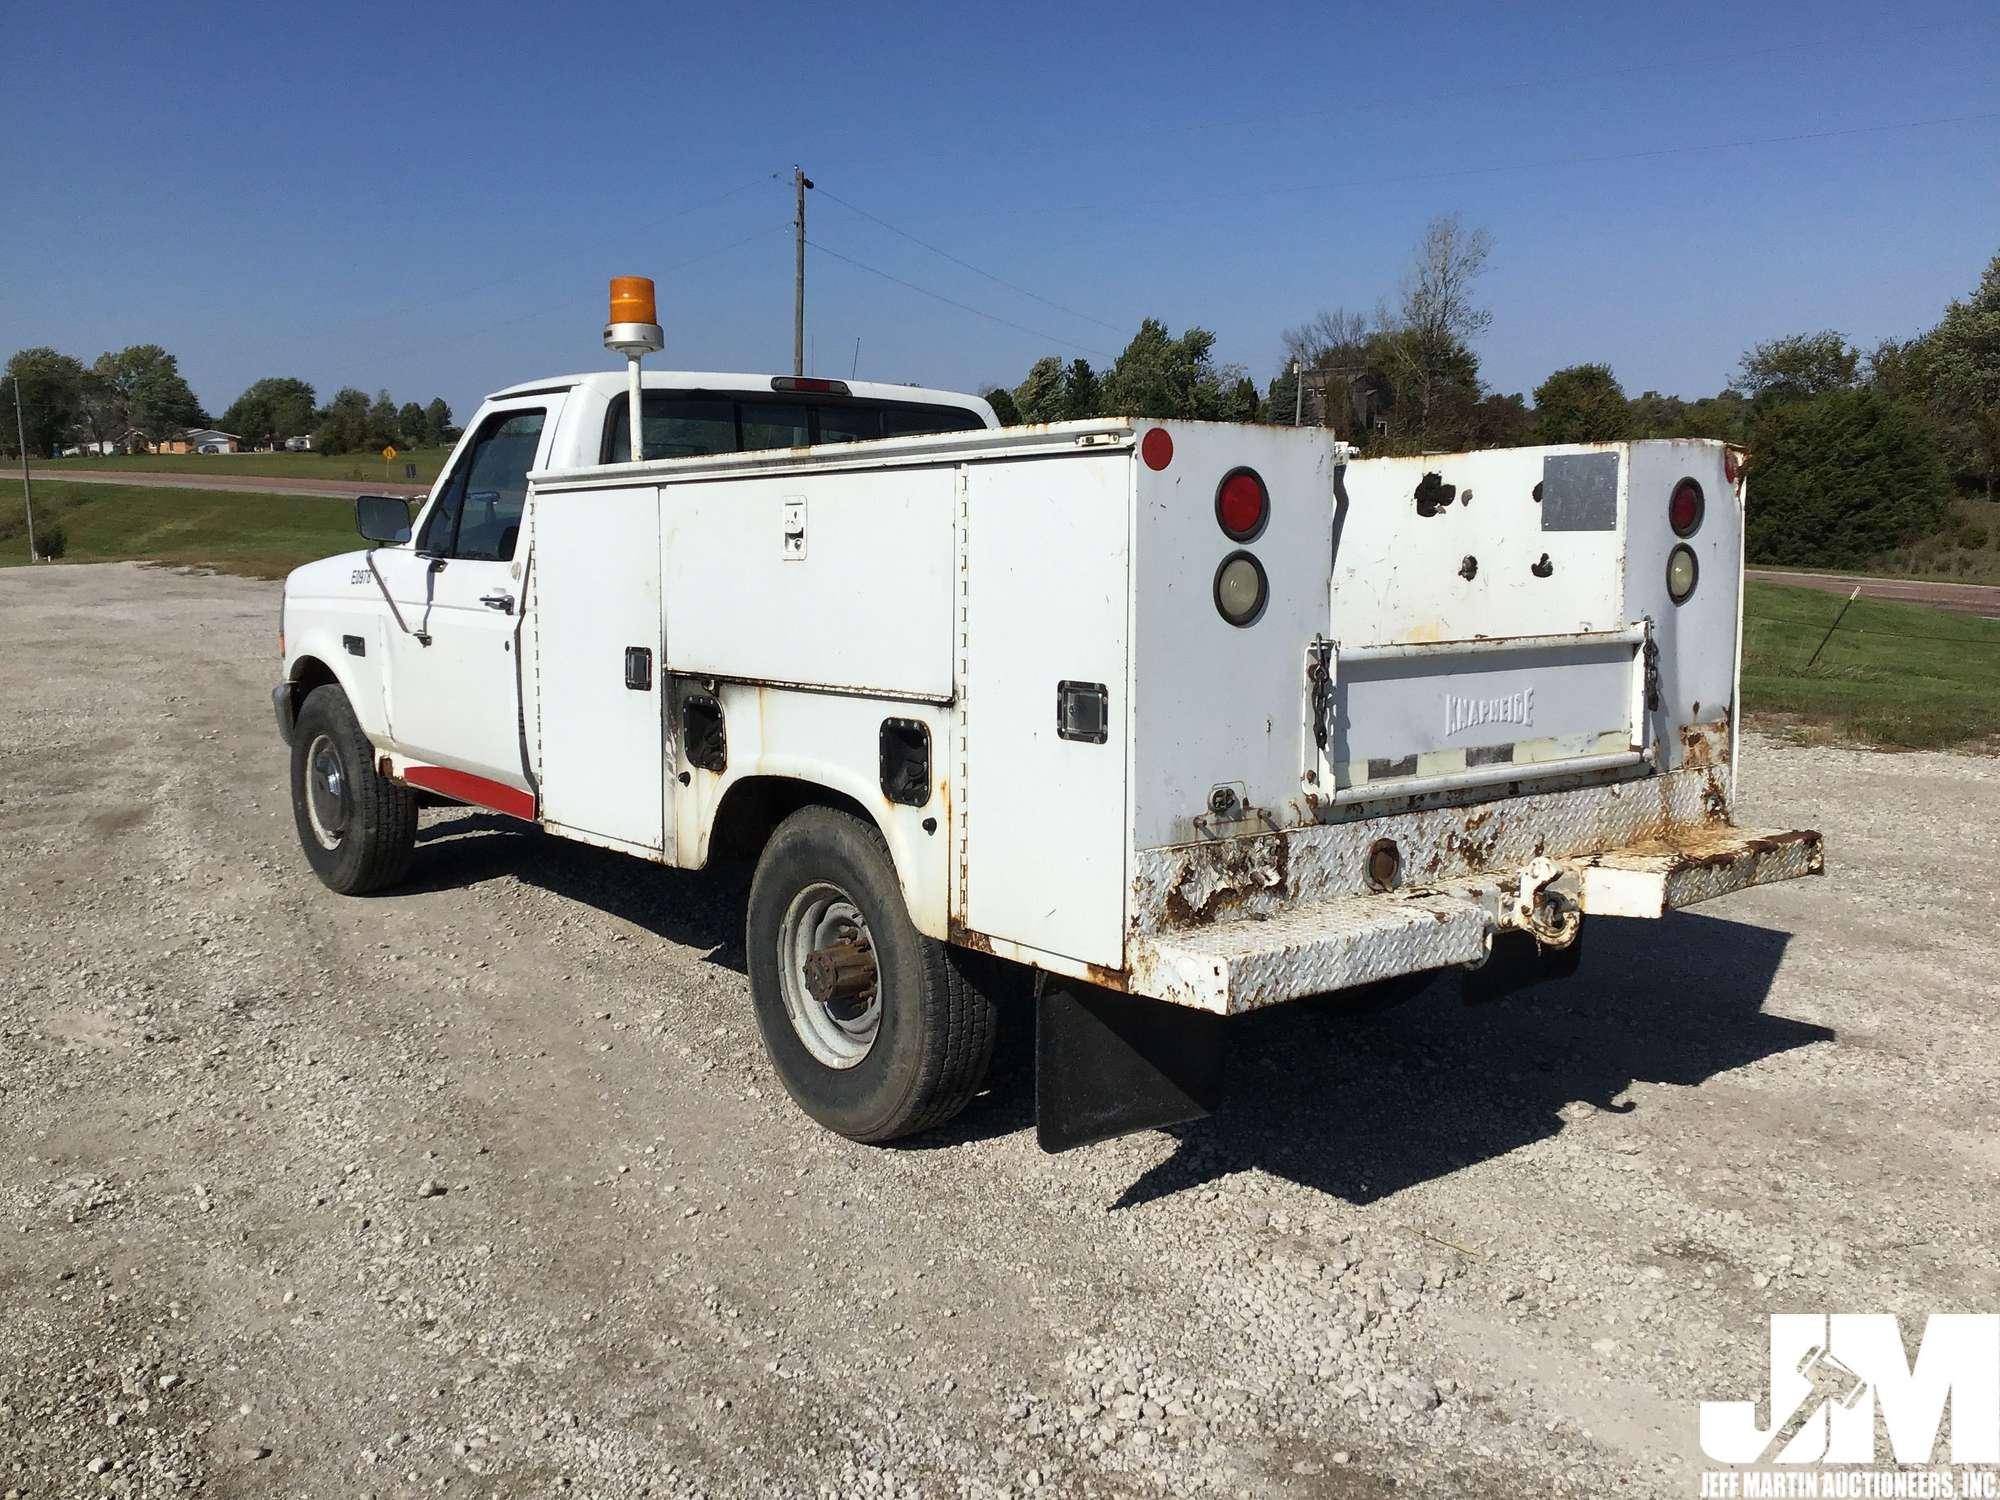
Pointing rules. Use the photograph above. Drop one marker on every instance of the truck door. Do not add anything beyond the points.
(453, 688)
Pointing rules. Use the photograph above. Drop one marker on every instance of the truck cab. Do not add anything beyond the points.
(422, 633)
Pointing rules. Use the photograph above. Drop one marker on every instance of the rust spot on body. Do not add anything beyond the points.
(1217, 880)
(1718, 848)
(1705, 744)
(978, 942)
(964, 937)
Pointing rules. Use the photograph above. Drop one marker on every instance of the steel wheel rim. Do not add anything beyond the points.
(326, 792)
(837, 1035)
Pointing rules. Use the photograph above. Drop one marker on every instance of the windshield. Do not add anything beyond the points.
(680, 424)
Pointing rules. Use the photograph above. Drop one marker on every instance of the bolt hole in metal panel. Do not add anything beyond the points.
(906, 761)
(704, 734)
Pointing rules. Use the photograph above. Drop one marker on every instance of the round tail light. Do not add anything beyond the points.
(1242, 505)
(1682, 573)
(1241, 589)
(1684, 510)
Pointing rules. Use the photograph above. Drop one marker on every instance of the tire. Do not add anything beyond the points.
(357, 827)
(826, 877)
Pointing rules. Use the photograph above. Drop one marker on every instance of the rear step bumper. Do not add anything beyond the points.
(1314, 949)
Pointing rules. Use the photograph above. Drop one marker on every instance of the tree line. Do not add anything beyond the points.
(137, 396)
(1852, 454)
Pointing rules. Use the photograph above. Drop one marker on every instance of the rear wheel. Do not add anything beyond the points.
(357, 827)
(875, 1030)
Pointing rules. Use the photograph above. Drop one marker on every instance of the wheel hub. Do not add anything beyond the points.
(326, 792)
(830, 976)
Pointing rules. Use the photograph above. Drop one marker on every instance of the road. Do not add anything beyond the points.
(485, 1183)
(255, 483)
(1960, 598)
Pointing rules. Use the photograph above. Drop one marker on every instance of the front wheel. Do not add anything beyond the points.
(875, 1030)
(357, 827)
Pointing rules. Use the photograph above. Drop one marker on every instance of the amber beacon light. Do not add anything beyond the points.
(634, 331)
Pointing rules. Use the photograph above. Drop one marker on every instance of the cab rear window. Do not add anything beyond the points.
(685, 424)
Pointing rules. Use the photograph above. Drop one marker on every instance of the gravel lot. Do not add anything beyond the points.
(484, 1187)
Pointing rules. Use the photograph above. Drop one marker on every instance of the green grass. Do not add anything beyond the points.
(366, 467)
(1896, 675)
(263, 536)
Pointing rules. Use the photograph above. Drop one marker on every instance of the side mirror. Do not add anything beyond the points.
(382, 519)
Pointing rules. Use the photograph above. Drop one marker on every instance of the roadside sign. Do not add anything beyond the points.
(388, 455)
(409, 471)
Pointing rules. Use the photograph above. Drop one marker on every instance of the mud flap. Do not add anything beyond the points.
(1519, 963)
(1108, 1064)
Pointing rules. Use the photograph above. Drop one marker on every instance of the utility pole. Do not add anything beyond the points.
(27, 482)
(1298, 395)
(800, 182)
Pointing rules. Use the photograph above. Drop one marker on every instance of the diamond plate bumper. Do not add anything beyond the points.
(1316, 948)
(1648, 879)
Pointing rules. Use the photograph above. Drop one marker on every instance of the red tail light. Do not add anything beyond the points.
(1684, 510)
(1242, 505)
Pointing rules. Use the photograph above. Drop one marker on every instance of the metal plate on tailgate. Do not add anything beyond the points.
(1579, 492)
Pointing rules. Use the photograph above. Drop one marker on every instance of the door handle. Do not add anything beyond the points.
(500, 601)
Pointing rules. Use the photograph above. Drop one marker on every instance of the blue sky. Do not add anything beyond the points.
(429, 198)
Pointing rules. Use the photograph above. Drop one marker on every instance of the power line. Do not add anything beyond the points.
(1152, 132)
(399, 314)
(962, 306)
(543, 309)
(1548, 164)
(1591, 75)
(968, 265)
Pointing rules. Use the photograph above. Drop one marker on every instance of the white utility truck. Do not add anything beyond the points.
(1187, 718)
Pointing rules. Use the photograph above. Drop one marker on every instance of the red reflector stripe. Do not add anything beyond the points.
(463, 786)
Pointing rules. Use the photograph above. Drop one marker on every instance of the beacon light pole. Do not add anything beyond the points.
(634, 331)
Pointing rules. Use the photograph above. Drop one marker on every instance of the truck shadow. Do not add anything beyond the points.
(1360, 1106)
(1363, 1106)
(702, 909)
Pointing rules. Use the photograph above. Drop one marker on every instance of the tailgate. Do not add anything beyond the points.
(1411, 718)
(1482, 627)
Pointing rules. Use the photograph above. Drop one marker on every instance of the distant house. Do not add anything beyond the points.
(90, 450)
(207, 440)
